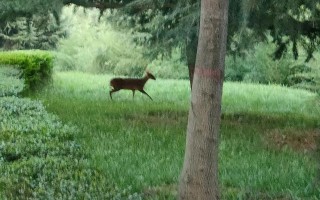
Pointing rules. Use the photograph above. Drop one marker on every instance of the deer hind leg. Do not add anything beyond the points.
(142, 91)
(112, 91)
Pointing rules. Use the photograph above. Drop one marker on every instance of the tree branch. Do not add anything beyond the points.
(101, 5)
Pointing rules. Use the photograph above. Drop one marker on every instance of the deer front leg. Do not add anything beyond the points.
(142, 91)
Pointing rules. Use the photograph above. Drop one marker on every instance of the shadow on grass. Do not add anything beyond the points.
(272, 120)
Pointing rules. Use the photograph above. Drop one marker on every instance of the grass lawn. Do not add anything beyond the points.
(267, 135)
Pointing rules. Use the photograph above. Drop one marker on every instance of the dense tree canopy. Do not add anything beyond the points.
(290, 23)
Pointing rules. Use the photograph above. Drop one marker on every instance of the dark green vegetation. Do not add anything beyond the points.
(35, 66)
(39, 158)
(10, 84)
(134, 148)
(39, 155)
(258, 67)
(267, 138)
(172, 22)
(113, 52)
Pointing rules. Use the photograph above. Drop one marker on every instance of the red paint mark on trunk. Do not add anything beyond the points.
(212, 73)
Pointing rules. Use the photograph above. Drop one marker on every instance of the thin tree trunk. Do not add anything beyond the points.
(199, 177)
(191, 53)
(316, 182)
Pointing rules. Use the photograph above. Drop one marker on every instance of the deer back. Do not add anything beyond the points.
(128, 83)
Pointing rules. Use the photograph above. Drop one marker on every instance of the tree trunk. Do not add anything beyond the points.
(191, 53)
(199, 178)
(316, 182)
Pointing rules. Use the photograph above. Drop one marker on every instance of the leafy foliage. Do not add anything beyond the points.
(107, 50)
(31, 25)
(166, 24)
(10, 84)
(104, 50)
(308, 78)
(36, 66)
(257, 67)
(171, 22)
(40, 157)
(36, 32)
(289, 23)
(170, 66)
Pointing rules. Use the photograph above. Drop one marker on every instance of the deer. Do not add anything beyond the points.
(130, 84)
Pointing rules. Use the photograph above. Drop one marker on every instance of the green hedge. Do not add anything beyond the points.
(36, 66)
(40, 157)
(10, 84)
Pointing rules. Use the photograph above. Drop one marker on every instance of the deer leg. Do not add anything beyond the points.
(133, 94)
(112, 91)
(142, 91)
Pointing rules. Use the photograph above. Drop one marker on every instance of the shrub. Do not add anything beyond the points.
(306, 80)
(170, 66)
(129, 70)
(10, 84)
(236, 68)
(104, 49)
(63, 62)
(36, 66)
(40, 158)
(118, 62)
(259, 67)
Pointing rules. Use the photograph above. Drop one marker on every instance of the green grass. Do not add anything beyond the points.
(139, 144)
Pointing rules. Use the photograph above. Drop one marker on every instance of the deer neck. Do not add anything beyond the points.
(145, 79)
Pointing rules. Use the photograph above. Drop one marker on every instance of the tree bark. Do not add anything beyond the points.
(199, 177)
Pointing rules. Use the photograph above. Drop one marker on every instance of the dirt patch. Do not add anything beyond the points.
(298, 140)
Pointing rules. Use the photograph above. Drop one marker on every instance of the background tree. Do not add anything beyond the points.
(31, 25)
(289, 24)
(174, 22)
(199, 179)
(34, 32)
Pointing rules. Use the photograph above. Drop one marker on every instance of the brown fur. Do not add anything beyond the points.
(130, 84)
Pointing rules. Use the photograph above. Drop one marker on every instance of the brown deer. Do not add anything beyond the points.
(130, 84)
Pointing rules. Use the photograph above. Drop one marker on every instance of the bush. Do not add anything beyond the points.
(107, 50)
(236, 68)
(10, 84)
(40, 158)
(104, 49)
(306, 80)
(63, 62)
(36, 66)
(259, 67)
(118, 62)
(39, 155)
(170, 66)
